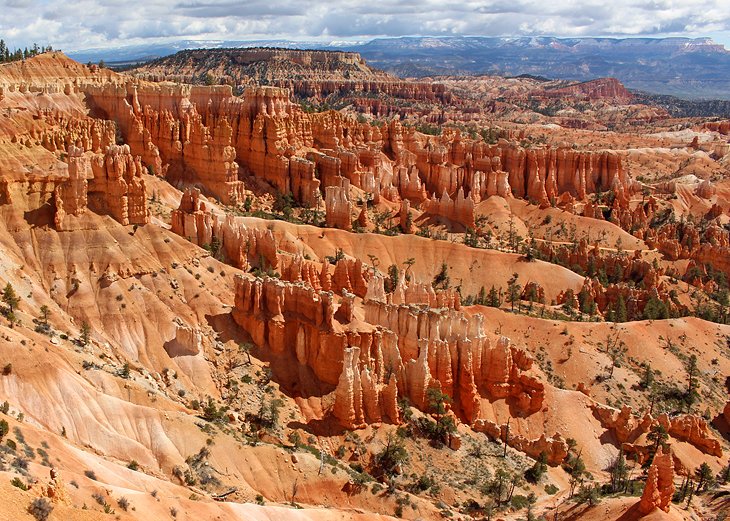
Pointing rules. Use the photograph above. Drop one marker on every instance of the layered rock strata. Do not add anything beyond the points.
(205, 135)
(399, 350)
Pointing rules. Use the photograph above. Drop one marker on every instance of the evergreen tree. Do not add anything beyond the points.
(692, 383)
(493, 299)
(85, 333)
(393, 277)
(10, 298)
(621, 315)
(619, 473)
(705, 477)
(655, 309)
(513, 290)
(45, 313)
(658, 435)
(482, 297)
(441, 280)
(535, 473)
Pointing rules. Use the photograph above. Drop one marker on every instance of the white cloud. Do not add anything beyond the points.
(85, 23)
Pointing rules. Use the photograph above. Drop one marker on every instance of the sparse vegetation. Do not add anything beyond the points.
(40, 508)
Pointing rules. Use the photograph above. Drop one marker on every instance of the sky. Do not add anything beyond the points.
(85, 24)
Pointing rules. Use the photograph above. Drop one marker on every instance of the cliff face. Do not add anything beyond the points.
(76, 165)
(205, 135)
(600, 89)
(722, 127)
(397, 351)
(307, 73)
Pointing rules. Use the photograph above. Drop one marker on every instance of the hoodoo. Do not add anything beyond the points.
(274, 283)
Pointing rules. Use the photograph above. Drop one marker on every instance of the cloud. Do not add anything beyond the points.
(105, 23)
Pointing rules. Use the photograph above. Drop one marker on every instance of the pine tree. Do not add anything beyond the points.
(621, 314)
(692, 383)
(85, 334)
(705, 477)
(493, 298)
(658, 435)
(619, 472)
(45, 313)
(482, 297)
(10, 298)
(513, 290)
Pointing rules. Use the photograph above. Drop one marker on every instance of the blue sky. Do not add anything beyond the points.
(86, 24)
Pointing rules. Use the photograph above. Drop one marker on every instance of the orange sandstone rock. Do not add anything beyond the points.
(659, 487)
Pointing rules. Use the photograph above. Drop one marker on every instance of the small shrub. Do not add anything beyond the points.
(133, 465)
(90, 474)
(20, 464)
(123, 503)
(17, 482)
(8, 369)
(40, 508)
(519, 502)
(96, 496)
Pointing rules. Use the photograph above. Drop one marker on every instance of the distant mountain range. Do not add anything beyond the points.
(684, 67)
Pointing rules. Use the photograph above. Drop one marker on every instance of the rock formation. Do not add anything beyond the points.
(109, 183)
(659, 487)
(600, 89)
(243, 247)
(628, 428)
(459, 210)
(117, 187)
(338, 207)
(555, 448)
(205, 135)
(398, 351)
(71, 196)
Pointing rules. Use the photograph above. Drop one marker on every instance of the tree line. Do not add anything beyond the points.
(7, 55)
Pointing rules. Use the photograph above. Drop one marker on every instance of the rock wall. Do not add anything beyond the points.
(223, 234)
(599, 89)
(207, 136)
(555, 448)
(117, 187)
(71, 196)
(395, 351)
(459, 210)
(338, 208)
(109, 183)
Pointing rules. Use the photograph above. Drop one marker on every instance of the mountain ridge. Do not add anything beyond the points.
(689, 68)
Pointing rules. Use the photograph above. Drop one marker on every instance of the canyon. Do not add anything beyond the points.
(232, 301)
